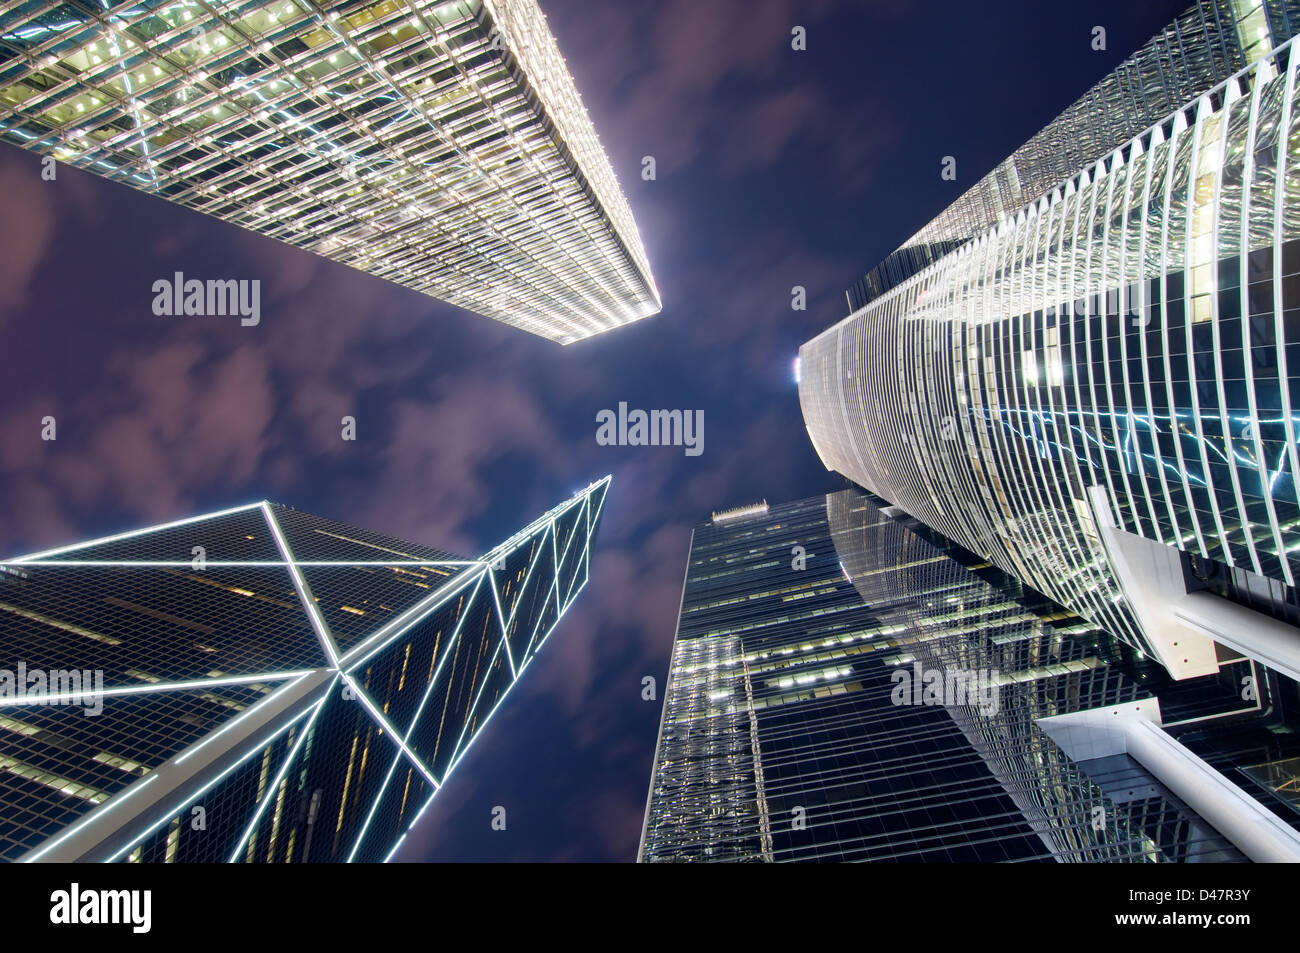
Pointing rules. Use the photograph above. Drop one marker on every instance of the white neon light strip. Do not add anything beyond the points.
(516, 675)
(458, 750)
(271, 794)
(527, 660)
(585, 562)
(601, 507)
(318, 623)
(397, 845)
(8, 702)
(190, 799)
(247, 713)
(451, 767)
(469, 716)
(519, 596)
(457, 759)
(428, 691)
(113, 805)
(501, 618)
(244, 563)
(559, 615)
(134, 533)
(555, 558)
(510, 544)
(382, 637)
(555, 584)
(586, 555)
(583, 518)
(374, 643)
(384, 723)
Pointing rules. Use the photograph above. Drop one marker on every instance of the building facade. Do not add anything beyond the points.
(439, 144)
(268, 686)
(1097, 390)
(847, 686)
(1210, 41)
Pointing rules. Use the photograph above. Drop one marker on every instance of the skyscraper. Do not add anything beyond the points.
(440, 145)
(268, 686)
(846, 685)
(1091, 376)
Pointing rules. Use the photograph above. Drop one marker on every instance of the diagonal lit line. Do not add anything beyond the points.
(390, 854)
(457, 758)
(542, 640)
(502, 619)
(586, 569)
(455, 634)
(573, 534)
(526, 661)
(241, 563)
(317, 622)
(546, 521)
(449, 589)
(46, 699)
(591, 522)
(479, 730)
(92, 816)
(197, 795)
(555, 557)
(395, 628)
(588, 513)
(384, 723)
(585, 563)
(586, 544)
(374, 805)
(246, 713)
(240, 845)
(474, 705)
(132, 534)
(513, 542)
(603, 497)
(415, 820)
(555, 584)
(532, 636)
(519, 596)
(446, 654)
(428, 692)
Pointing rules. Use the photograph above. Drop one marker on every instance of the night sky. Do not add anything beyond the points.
(775, 168)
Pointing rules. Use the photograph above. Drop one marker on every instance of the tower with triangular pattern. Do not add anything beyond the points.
(260, 684)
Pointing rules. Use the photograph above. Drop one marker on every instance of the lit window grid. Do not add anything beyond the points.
(392, 138)
(718, 790)
(949, 619)
(876, 389)
(549, 562)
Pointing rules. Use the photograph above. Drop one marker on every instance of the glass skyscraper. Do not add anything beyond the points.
(268, 686)
(847, 685)
(1090, 371)
(440, 144)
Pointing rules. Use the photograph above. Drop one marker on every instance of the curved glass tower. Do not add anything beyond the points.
(1098, 392)
(847, 686)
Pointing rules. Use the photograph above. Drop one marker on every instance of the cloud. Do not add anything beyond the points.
(431, 481)
(625, 626)
(27, 225)
(680, 78)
